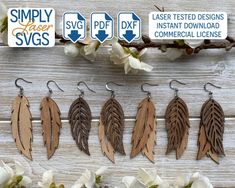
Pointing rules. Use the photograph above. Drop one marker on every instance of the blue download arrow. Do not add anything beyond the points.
(74, 36)
(129, 36)
(101, 36)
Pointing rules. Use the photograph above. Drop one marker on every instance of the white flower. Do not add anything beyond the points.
(132, 182)
(193, 43)
(8, 174)
(89, 51)
(149, 178)
(47, 179)
(130, 58)
(88, 178)
(71, 49)
(200, 181)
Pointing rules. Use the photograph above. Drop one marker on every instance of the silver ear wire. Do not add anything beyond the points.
(20, 87)
(145, 91)
(82, 91)
(174, 88)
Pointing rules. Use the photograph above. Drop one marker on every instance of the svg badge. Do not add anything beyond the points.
(31, 27)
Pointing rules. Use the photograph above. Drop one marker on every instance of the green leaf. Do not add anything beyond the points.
(4, 25)
(153, 186)
(180, 42)
(189, 185)
(98, 179)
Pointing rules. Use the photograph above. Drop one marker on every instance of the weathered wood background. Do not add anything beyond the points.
(40, 65)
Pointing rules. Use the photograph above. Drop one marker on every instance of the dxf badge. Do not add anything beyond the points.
(31, 27)
(129, 26)
(74, 26)
(101, 26)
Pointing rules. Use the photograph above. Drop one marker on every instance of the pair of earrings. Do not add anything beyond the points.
(111, 123)
(21, 122)
(210, 139)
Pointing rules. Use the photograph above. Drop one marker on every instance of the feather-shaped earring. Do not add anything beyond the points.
(177, 123)
(210, 138)
(144, 133)
(51, 121)
(80, 120)
(111, 126)
(21, 122)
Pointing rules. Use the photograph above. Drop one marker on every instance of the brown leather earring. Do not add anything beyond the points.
(111, 126)
(144, 133)
(210, 138)
(80, 120)
(51, 121)
(21, 122)
(177, 123)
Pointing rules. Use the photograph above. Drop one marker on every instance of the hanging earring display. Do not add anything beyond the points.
(111, 126)
(210, 139)
(144, 133)
(21, 122)
(51, 122)
(80, 120)
(177, 123)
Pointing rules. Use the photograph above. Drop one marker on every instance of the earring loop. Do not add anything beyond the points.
(174, 88)
(20, 87)
(50, 90)
(110, 90)
(81, 90)
(209, 91)
(145, 91)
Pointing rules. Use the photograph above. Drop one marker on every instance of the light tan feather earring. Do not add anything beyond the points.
(111, 126)
(177, 123)
(51, 121)
(144, 133)
(21, 122)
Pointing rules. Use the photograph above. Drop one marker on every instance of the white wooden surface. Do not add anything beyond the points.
(40, 65)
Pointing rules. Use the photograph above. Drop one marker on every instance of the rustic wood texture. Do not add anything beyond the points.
(51, 125)
(21, 124)
(38, 65)
(144, 133)
(177, 126)
(210, 139)
(80, 121)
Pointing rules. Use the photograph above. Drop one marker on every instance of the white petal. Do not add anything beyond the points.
(146, 67)
(26, 181)
(193, 43)
(87, 179)
(91, 48)
(71, 50)
(119, 51)
(137, 64)
(132, 182)
(47, 179)
(142, 52)
(182, 181)
(202, 182)
(4, 176)
(101, 171)
(173, 53)
(8, 169)
(3, 11)
(127, 67)
(195, 176)
(91, 57)
(19, 169)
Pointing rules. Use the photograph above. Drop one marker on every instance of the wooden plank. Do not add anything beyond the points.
(40, 65)
(68, 162)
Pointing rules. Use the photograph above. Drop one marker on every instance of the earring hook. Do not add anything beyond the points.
(82, 91)
(108, 88)
(174, 88)
(20, 87)
(145, 91)
(50, 90)
(210, 92)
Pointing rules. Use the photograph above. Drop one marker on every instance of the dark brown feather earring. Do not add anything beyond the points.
(51, 121)
(21, 122)
(210, 138)
(111, 126)
(177, 123)
(144, 133)
(80, 120)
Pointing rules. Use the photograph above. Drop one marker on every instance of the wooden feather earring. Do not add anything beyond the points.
(111, 126)
(51, 121)
(177, 123)
(80, 120)
(210, 138)
(144, 133)
(21, 122)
